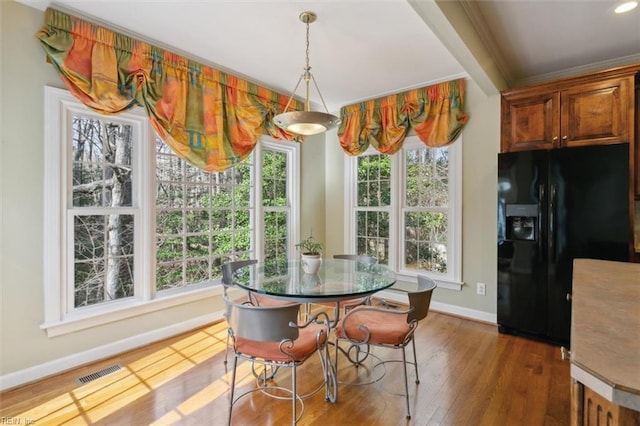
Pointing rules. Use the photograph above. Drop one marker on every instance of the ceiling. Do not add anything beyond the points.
(362, 49)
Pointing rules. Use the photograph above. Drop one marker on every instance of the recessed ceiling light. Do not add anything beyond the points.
(626, 6)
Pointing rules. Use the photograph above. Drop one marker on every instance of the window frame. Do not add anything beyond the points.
(59, 319)
(453, 278)
(292, 150)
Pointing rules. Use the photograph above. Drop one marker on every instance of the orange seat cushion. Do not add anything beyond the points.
(261, 299)
(241, 300)
(304, 345)
(385, 328)
(268, 301)
(342, 303)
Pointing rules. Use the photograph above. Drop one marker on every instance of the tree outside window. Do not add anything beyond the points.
(101, 183)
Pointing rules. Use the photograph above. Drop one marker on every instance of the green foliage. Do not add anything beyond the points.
(274, 178)
(374, 180)
(426, 173)
(310, 246)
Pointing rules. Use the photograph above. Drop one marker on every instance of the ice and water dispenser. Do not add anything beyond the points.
(522, 222)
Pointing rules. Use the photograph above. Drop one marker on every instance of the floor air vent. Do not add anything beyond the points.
(97, 374)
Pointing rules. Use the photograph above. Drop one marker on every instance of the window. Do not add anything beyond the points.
(202, 219)
(102, 209)
(279, 197)
(406, 209)
(130, 227)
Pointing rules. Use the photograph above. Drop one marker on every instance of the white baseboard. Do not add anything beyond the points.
(59, 365)
(473, 314)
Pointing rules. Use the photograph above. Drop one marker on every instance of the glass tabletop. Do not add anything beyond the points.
(336, 280)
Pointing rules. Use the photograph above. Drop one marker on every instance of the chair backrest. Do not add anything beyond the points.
(420, 299)
(262, 323)
(229, 268)
(359, 258)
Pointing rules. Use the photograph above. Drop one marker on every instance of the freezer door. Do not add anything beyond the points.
(522, 271)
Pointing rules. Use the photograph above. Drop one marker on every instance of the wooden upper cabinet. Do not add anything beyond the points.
(576, 112)
(530, 121)
(596, 113)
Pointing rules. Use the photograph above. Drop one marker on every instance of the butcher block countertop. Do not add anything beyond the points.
(605, 329)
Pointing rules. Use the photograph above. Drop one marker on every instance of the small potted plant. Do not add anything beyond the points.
(311, 254)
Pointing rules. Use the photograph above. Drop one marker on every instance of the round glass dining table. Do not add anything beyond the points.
(336, 280)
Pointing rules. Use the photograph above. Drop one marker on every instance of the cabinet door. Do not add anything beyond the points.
(596, 113)
(530, 121)
(598, 411)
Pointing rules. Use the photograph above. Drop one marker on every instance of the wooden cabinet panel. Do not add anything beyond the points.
(588, 408)
(595, 113)
(530, 121)
(600, 412)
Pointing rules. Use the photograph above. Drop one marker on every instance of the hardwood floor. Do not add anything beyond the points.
(469, 375)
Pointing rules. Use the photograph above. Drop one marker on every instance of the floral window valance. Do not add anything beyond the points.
(210, 118)
(436, 114)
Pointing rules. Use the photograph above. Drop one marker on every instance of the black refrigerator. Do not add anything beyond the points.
(555, 206)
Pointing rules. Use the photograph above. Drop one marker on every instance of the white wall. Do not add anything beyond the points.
(26, 353)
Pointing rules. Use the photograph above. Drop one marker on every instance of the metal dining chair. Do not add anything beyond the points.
(389, 328)
(250, 298)
(271, 336)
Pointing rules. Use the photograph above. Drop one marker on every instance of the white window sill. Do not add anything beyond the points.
(404, 280)
(93, 318)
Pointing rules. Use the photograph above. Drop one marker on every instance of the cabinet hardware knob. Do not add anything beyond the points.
(564, 138)
(555, 138)
(568, 297)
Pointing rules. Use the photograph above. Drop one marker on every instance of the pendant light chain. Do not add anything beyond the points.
(307, 73)
(307, 51)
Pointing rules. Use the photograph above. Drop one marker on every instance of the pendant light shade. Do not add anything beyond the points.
(306, 122)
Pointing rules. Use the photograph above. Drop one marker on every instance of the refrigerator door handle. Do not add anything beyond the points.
(552, 223)
(541, 192)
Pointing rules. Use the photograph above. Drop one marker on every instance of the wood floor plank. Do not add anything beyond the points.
(469, 375)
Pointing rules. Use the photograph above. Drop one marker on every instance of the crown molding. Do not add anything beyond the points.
(579, 70)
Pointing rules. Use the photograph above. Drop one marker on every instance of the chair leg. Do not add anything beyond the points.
(415, 361)
(328, 368)
(406, 382)
(233, 386)
(226, 350)
(294, 399)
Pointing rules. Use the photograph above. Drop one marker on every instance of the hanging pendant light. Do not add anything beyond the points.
(306, 122)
